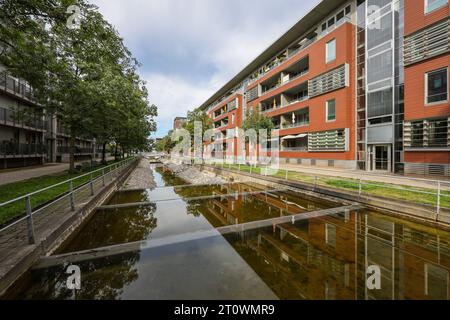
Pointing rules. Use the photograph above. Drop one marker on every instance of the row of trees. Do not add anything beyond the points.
(80, 70)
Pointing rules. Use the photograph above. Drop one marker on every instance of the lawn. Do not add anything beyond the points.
(18, 189)
(400, 192)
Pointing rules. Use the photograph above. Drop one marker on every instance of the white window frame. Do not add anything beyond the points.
(426, 284)
(327, 59)
(430, 11)
(328, 240)
(426, 88)
(326, 109)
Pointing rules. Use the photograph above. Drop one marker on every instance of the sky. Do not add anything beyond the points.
(191, 48)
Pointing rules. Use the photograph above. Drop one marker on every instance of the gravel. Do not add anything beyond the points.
(141, 177)
(192, 175)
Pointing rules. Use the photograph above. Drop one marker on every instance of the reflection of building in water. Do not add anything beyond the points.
(240, 204)
(327, 258)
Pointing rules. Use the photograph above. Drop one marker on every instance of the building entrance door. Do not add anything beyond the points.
(380, 158)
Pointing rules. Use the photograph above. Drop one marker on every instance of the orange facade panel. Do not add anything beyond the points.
(416, 18)
(415, 88)
(428, 157)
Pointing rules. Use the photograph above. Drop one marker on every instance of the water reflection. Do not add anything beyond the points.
(320, 258)
(327, 258)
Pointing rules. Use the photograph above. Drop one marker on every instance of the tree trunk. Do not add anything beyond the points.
(115, 153)
(72, 154)
(104, 153)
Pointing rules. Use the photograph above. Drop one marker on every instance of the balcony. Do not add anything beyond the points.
(17, 87)
(17, 150)
(291, 73)
(16, 119)
(287, 98)
(296, 143)
(295, 119)
(286, 56)
(78, 150)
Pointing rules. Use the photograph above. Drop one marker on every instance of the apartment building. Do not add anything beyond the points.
(29, 136)
(347, 87)
(179, 122)
(427, 108)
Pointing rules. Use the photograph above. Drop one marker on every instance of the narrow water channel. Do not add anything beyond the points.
(185, 257)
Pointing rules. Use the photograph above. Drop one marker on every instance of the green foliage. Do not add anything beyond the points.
(197, 116)
(86, 75)
(258, 121)
(166, 144)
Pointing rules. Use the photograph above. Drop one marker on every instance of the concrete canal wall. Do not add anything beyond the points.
(22, 258)
(416, 212)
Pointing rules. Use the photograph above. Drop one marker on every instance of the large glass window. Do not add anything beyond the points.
(331, 110)
(437, 86)
(331, 51)
(380, 103)
(431, 5)
(438, 133)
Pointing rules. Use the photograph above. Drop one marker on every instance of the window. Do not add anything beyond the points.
(331, 22)
(417, 134)
(436, 282)
(331, 51)
(331, 110)
(437, 133)
(348, 10)
(431, 5)
(436, 86)
(324, 27)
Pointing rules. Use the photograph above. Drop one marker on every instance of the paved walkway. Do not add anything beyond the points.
(21, 174)
(368, 176)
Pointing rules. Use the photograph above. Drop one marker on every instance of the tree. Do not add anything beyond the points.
(258, 121)
(84, 75)
(166, 144)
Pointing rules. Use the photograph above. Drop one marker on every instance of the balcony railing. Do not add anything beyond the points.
(13, 118)
(295, 125)
(18, 87)
(8, 148)
(78, 150)
(301, 74)
(294, 148)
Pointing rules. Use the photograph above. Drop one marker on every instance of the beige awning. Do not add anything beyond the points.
(294, 137)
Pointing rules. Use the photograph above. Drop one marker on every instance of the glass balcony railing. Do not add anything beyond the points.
(78, 150)
(8, 148)
(14, 118)
(13, 85)
(296, 124)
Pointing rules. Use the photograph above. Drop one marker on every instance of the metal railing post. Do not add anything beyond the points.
(91, 184)
(287, 173)
(438, 209)
(315, 182)
(30, 224)
(360, 187)
(72, 196)
(239, 167)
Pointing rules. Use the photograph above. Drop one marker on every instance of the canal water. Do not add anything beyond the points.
(189, 250)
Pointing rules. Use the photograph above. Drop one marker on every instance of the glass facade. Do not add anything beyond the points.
(380, 79)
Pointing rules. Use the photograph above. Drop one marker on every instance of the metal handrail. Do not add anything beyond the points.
(71, 193)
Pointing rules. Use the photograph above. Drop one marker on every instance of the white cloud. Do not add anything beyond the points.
(175, 97)
(190, 48)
